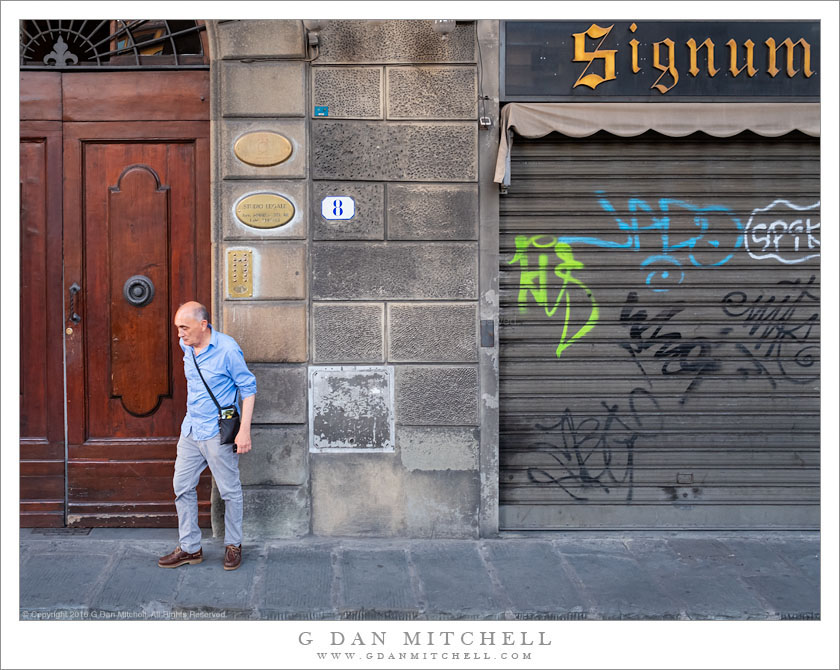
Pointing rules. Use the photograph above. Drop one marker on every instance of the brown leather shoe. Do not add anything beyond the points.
(180, 557)
(233, 556)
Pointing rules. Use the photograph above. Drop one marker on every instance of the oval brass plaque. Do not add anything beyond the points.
(262, 148)
(265, 210)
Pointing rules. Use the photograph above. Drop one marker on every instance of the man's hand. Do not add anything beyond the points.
(243, 441)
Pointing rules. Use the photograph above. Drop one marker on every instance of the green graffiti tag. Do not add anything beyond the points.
(534, 280)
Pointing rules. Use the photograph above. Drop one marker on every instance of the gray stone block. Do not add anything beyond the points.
(273, 511)
(277, 457)
(198, 590)
(137, 580)
(432, 211)
(436, 395)
(278, 270)
(358, 495)
(281, 394)
(394, 271)
(432, 92)
(432, 332)
(234, 190)
(455, 581)
(348, 333)
(398, 41)
(60, 579)
(377, 581)
(442, 504)
(367, 224)
(293, 130)
(262, 88)
(786, 594)
(533, 577)
(398, 151)
(348, 92)
(298, 580)
(438, 447)
(252, 38)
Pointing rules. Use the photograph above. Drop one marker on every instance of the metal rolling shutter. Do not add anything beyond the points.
(659, 333)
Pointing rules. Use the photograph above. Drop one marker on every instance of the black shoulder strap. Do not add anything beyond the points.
(205, 381)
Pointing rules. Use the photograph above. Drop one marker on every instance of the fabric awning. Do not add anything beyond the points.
(719, 119)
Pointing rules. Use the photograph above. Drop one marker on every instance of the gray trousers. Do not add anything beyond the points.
(193, 456)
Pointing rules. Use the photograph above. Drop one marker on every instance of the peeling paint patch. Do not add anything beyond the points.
(490, 401)
(351, 408)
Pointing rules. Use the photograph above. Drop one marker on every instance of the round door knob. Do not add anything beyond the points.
(138, 290)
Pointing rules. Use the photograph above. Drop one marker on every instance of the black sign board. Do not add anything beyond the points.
(667, 61)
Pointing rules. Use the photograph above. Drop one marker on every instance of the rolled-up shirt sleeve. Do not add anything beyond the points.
(243, 378)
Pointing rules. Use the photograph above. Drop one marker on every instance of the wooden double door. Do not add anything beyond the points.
(115, 234)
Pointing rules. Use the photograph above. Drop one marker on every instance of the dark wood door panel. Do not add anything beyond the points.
(41, 376)
(138, 204)
(136, 96)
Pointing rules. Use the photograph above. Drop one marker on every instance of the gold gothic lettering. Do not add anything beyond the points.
(771, 57)
(634, 45)
(670, 69)
(710, 56)
(733, 58)
(582, 55)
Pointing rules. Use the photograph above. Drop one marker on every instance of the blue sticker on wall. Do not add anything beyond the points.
(322, 111)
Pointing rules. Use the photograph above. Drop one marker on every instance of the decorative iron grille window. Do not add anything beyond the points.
(112, 44)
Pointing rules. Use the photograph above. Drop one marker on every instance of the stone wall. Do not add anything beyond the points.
(397, 286)
(365, 327)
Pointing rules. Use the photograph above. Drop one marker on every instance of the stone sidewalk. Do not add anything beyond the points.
(113, 574)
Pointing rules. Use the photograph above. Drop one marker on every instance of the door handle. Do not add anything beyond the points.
(74, 289)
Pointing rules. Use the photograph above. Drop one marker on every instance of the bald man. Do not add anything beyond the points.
(222, 364)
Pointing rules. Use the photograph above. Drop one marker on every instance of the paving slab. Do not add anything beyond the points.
(376, 582)
(619, 587)
(454, 581)
(803, 555)
(59, 579)
(208, 586)
(533, 577)
(297, 580)
(786, 595)
(136, 583)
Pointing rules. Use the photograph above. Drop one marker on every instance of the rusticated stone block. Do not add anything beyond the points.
(277, 457)
(293, 130)
(394, 271)
(432, 211)
(436, 395)
(252, 39)
(348, 92)
(398, 41)
(400, 151)
(268, 332)
(442, 504)
(294, 190)
(278, 270)
(432, 332)
(262, 89)
(438, 447)
(348, 333)
(281, 394)
(358, 495)
(274, 511)
(368, 223)
(432, 92)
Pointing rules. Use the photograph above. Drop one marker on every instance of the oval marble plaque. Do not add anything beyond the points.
(264, 210)
(262, 148)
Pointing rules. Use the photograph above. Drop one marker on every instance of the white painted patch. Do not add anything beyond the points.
(490, 401)
(780, 231)
(338, 208)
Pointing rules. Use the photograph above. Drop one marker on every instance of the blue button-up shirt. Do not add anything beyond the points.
(224, 369)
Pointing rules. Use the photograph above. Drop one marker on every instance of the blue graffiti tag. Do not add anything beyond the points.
(677, 248)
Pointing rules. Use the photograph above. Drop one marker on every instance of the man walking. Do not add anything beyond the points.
(221, 363)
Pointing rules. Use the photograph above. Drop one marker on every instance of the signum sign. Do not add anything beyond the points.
(661, 60)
